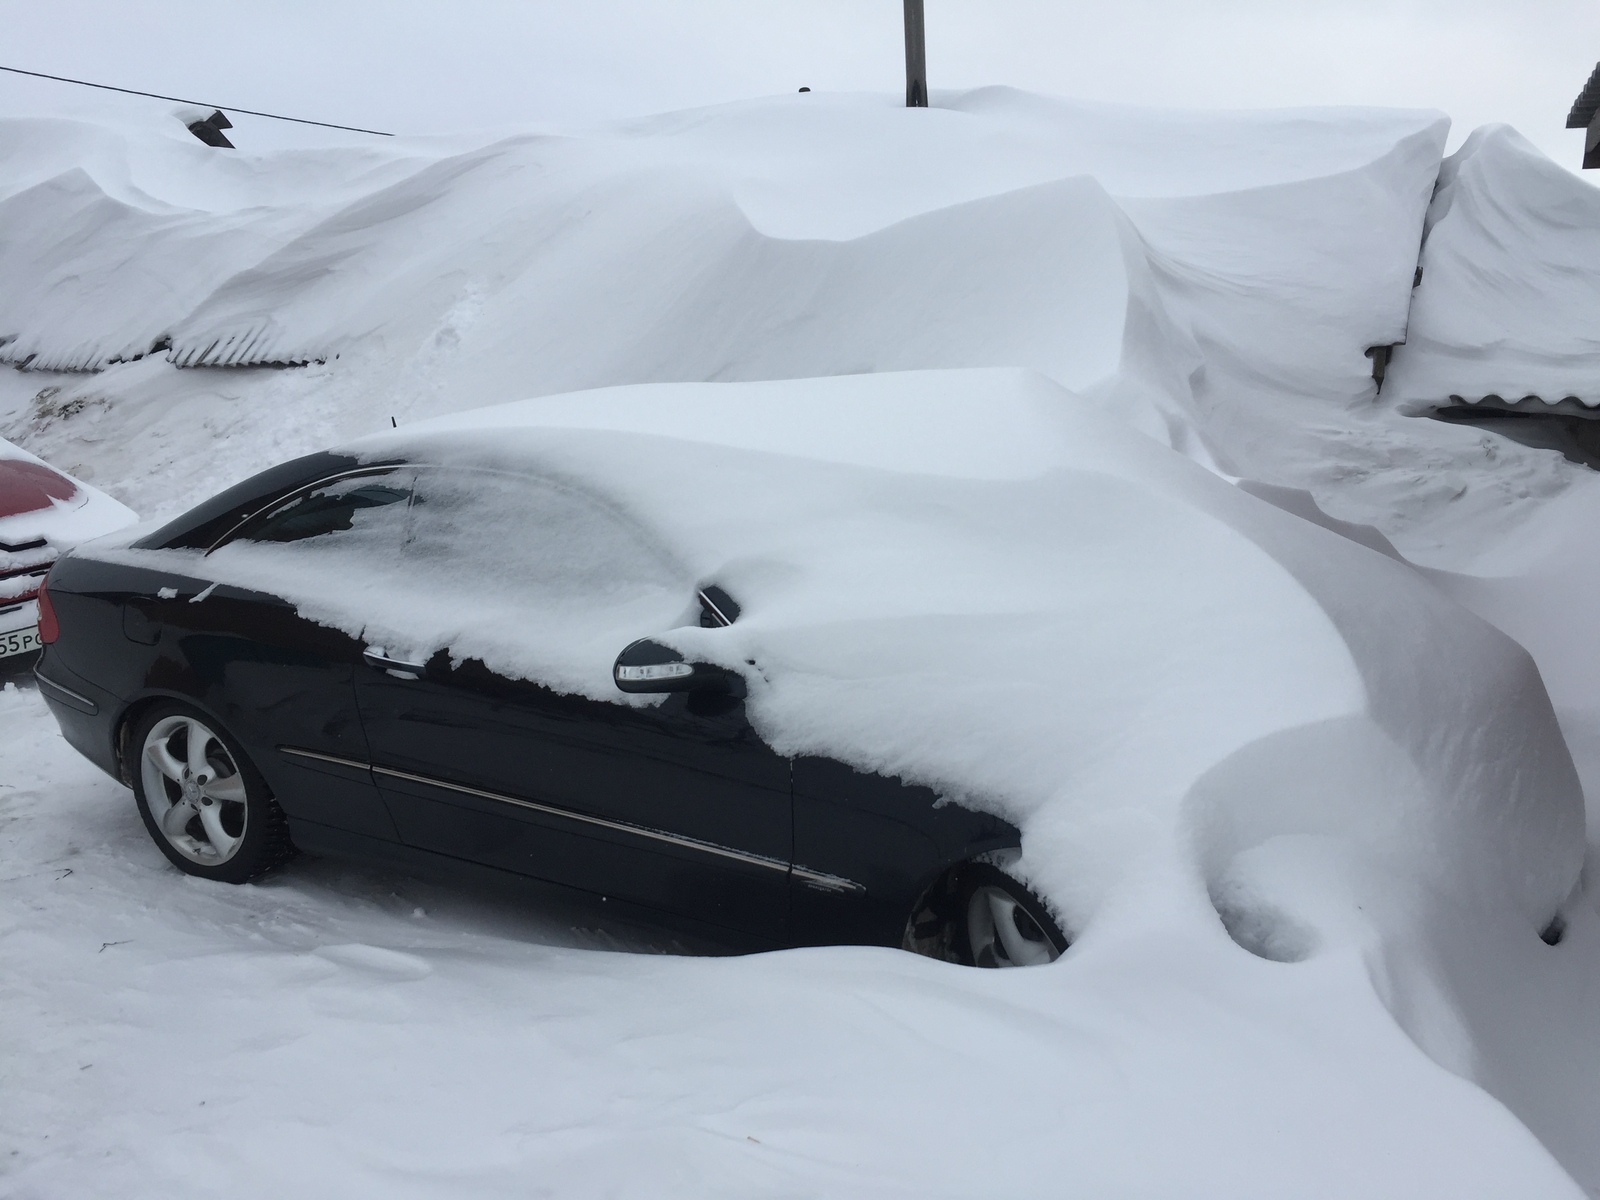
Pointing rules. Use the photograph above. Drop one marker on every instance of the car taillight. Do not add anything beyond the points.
(49, 627)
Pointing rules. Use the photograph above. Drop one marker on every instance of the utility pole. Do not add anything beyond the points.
(916, 57)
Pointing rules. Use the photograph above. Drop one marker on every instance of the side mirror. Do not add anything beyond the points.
(648, 666)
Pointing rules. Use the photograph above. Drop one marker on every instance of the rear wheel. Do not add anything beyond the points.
(202, 799)
(1000, 923)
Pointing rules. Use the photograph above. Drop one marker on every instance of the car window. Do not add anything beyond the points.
(534, 579)
(331, 550)
(363, 505)
(211, 520)
(527, 538)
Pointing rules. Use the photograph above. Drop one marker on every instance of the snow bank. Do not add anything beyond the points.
(1510, 283)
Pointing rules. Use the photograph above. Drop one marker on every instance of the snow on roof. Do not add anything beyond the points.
(1510, 282)
(108, 237)
(760, 240)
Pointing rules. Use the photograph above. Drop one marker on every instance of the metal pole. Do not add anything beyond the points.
(916, 57)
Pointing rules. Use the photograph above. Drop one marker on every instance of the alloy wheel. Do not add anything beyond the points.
(1002, 933)
(194, 790)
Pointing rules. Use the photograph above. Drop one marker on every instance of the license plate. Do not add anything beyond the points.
(19, 641)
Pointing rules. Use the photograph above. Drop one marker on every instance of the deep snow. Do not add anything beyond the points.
(1206, 281)
(345, 1033)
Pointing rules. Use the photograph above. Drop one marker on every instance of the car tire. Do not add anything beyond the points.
(202, 799)
(997, 922)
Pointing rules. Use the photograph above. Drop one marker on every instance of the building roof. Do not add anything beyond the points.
(1588, 101)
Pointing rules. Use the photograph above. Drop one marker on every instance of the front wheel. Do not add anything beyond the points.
(202, 800)
(1000, 923)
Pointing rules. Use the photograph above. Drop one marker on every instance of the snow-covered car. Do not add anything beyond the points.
(42, 512)
(931, 660)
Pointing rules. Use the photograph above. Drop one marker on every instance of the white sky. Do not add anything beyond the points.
(434, 66)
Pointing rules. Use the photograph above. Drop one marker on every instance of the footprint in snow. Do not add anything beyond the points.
(385, 964)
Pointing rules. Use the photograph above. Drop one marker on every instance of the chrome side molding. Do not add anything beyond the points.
(66, 695)
(819, 880)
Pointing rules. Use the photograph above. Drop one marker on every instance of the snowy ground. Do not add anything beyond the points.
(345, 1032)
(1209, 280)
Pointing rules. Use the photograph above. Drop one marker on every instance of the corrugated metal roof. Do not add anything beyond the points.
(1588, 101)
(1571, 406)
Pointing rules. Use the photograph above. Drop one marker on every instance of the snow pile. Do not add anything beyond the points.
(1531, 586)
(997, 230)
(1510, 284)
(1214, 279)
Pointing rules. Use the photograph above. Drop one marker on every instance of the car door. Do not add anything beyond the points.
(510, 747)
(283, 684)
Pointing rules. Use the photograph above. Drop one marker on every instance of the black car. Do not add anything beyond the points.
(247, 730)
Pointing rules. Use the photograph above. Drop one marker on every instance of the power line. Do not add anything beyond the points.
(179, 100)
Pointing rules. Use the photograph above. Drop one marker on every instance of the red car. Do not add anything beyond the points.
(42, 512)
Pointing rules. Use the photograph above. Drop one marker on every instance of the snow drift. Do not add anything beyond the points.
(117, 248)
(1214, 279)
(687, 249)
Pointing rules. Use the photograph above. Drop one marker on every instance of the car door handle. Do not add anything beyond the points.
(377, 657)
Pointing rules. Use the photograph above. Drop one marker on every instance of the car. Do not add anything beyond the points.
(937, 660)
(249, 724)
(42, 512)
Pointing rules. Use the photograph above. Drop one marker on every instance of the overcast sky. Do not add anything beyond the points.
(441, 65)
